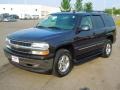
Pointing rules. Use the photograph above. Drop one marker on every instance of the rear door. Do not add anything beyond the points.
(110, 26)
(99, 30)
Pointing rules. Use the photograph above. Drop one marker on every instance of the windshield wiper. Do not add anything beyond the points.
(40, 27)
(54, 27)
(48, 27)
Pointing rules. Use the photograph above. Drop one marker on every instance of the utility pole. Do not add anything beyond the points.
(104, 4)
(113, 9)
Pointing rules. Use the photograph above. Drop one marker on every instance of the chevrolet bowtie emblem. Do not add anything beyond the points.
(16, 46)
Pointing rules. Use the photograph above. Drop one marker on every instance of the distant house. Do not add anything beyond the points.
(24, 10)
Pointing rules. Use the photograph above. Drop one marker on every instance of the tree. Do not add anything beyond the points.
(78, 5)
(113, 11)
(88, 7)
(109, 11)
(65, 6)
(116, 11)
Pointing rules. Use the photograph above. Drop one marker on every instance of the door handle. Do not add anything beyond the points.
(94, 34)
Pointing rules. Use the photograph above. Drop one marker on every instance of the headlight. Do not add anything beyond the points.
(40, 48)
(7, 43)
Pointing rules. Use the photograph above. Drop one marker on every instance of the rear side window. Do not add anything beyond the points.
(98, 22)
(108, 20)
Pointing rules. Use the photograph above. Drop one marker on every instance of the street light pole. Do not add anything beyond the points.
(104, 4)
(112, 10)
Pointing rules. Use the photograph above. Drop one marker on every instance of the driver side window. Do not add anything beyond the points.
(86, 21)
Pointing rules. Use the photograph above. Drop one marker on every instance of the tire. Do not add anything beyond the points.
(107, 49)
(62, 63)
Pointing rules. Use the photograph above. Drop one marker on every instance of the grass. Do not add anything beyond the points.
(118, 23)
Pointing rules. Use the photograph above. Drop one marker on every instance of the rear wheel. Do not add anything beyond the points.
(107, 49)
(63, 63)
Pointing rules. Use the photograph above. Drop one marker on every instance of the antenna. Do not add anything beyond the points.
(74, 11)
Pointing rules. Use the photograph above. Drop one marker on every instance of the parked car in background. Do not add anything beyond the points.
(14, 16)
(9, 19)
(5, 17)
(30, 17)
(1, 18)
(35, 17)
(27, 17)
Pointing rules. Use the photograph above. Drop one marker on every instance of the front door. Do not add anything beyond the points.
(84, 41)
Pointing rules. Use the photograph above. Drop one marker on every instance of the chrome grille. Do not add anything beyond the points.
(20, 43)
(18, 46)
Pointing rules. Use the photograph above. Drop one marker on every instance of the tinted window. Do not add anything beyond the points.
(98, 22)
(86, 20)
(66, 22)
(108, 20)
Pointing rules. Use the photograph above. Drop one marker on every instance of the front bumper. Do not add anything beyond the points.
(30, 63)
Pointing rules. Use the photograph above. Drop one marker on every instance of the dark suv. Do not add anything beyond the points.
(60, 40)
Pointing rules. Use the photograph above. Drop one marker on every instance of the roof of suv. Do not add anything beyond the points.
(82, 13)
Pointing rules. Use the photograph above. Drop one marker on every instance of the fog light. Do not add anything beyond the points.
(36, 65)
(8, 46)
(46, 52)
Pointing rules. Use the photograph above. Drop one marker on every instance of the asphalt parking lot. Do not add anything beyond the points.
(97, 74)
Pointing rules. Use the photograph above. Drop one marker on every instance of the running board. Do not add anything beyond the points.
(87, 57)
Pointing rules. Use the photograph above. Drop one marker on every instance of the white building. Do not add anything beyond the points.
(23, 9)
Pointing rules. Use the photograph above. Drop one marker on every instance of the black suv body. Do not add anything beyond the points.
(60, 40)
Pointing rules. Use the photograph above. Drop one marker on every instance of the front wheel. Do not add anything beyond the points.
(63, 63)
(107, 49)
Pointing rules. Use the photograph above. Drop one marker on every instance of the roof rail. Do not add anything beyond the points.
(74, 11)
(98, 11)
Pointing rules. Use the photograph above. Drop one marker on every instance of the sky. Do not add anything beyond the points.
(97, 4)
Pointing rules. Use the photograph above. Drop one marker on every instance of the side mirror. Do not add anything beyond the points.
(85, 28)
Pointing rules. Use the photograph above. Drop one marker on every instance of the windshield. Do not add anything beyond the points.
(58, 22)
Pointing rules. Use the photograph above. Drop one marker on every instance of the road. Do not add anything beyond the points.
(97, 74)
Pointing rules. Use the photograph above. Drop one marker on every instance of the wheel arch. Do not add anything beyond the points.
(110, 37)
(69, 47)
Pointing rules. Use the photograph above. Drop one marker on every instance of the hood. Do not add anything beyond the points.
(36, 34)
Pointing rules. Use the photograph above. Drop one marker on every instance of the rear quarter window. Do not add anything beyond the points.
(108, 20)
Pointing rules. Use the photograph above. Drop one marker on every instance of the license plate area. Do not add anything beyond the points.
(15, 59)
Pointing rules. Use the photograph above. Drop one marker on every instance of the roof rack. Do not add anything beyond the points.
(98, 11)
(89, 11)
(74, 11)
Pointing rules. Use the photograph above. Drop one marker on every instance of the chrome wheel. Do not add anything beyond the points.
(108, 49)
(64, 63)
